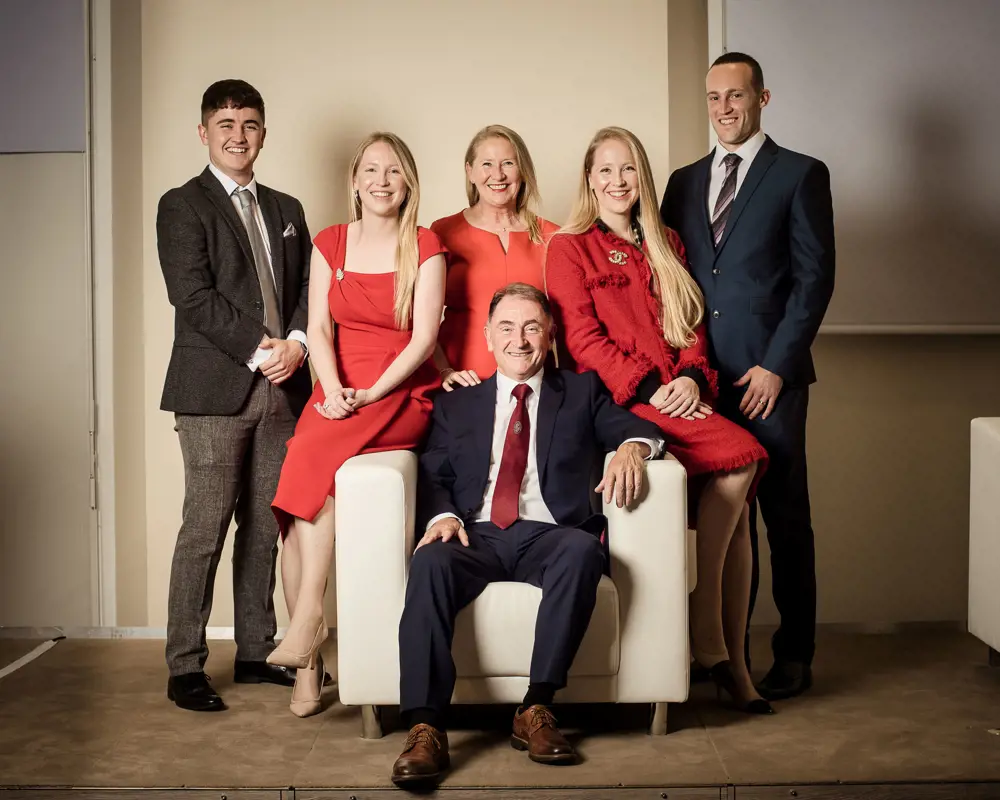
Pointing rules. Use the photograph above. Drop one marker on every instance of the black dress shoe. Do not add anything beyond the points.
(786, 679)
(262, 672)
(193, 692)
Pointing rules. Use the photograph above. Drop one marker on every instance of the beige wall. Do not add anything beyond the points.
(48, 529)
(687, 52)
(889, 419)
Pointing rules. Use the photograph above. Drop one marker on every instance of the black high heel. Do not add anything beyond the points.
(722, 676)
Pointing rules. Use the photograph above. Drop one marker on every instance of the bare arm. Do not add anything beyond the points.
(451, 377)
(441, 360)
(428, 302)
(319, 331)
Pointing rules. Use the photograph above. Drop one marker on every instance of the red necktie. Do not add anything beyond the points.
(507, 493)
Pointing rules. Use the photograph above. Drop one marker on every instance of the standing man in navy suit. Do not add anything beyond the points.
(505, 495)
(757, 222)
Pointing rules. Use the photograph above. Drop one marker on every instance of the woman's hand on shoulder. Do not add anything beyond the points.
(450, 378)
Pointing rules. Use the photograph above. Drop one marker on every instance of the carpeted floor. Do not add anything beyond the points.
(885, 708)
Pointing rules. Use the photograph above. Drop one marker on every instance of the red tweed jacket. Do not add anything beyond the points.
(600, 289)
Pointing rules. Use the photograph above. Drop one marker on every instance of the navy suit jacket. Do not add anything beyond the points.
(768, 284)
(577, 425)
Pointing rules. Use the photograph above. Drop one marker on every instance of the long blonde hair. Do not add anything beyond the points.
(528, 199)
(407, 250)
(680, 298)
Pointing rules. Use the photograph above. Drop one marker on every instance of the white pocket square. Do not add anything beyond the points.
(289, 231)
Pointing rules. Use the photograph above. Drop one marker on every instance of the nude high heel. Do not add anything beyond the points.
(282, 657)
(312, 705)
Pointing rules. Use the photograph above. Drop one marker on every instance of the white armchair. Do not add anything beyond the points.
(635, 650)
(984, 534)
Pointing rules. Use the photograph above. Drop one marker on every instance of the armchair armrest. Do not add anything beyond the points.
(649, 565)
(375, 506)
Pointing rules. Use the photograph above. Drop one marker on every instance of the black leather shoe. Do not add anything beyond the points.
(193, 692)
(786, 679)
(262, 672)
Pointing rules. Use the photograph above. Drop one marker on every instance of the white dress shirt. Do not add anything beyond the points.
(747, 153)
(232, 187)
(530, 504)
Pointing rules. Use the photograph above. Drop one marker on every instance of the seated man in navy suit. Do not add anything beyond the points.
(505, 496)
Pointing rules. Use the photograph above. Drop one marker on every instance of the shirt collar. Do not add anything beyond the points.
(229, 185)
(746, 151)
(505, 385)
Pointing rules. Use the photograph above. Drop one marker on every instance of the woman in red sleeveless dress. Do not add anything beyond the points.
(376, 292)
(630, 311)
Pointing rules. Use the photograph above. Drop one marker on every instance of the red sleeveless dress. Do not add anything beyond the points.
(366, 341)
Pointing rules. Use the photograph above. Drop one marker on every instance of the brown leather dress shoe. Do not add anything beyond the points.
(535, 731)
(424, 756)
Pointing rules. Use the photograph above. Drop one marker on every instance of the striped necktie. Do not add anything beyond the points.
(726, 196)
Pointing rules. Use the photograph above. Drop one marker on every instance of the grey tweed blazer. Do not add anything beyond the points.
(212, 284)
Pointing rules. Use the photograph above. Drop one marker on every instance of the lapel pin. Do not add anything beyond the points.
(617, 257)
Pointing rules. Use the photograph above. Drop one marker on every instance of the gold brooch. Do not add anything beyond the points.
(617, 257)
(340, 273)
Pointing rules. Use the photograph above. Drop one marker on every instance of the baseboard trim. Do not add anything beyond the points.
(224, 632)
(97, 632)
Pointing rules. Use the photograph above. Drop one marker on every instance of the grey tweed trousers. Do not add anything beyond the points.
(231, 466)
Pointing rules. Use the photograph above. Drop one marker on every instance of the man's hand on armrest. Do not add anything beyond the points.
(623, 480)
(445, 528)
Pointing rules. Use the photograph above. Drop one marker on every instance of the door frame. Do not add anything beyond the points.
(104, 610)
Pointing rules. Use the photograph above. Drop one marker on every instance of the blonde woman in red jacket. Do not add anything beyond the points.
(629, 310)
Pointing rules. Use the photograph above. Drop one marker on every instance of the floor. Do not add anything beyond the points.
(912, 708)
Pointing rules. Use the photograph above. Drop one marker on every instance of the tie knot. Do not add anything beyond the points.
(521, 391)
(731, 160)
(245, 196)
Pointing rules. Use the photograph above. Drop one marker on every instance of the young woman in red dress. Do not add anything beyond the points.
(499, 239)
(376, 291)
(630, 311)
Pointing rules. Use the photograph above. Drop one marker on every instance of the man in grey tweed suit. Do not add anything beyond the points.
(235, 259)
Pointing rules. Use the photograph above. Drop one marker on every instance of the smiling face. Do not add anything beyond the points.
(614, 177)
(234, 137)
(379, 181)
(733, 105)
(495, 174)
(519, 335)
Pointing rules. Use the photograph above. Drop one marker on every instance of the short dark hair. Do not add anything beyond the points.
(525, 290)
(230, 93)
(756, 73)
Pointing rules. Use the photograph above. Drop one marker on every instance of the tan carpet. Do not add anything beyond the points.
(911, 707)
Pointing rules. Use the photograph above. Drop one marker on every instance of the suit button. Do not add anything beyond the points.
(716, 271)
(716, 314)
